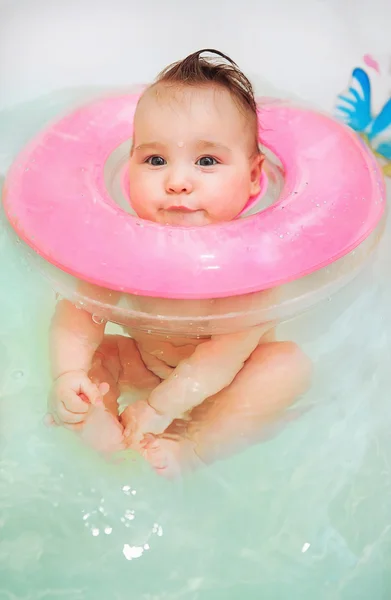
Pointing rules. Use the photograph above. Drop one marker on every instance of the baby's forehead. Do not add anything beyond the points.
(173, 99)
(170, 113)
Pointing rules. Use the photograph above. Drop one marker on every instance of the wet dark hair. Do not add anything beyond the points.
(220, 70)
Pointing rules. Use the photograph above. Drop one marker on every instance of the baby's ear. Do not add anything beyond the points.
(255, 175)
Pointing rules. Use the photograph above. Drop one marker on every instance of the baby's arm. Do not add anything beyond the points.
(211, 368)
(74, 339)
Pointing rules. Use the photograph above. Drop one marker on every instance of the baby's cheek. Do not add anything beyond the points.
(230, 198)
(144, 196)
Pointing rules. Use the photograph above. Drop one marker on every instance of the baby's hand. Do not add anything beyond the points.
(70, 398)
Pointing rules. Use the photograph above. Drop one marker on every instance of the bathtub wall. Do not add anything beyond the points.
(307, 47)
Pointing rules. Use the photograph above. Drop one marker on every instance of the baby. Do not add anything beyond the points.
(195, 161)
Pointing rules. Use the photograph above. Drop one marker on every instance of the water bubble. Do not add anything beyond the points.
(131, 552)
(18, 374)
(98, 320)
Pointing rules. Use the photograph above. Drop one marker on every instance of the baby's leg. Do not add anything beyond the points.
(135, 377)
(117, 363)
(102, 429)
(271, 380)
(116, 367)
(106, 367)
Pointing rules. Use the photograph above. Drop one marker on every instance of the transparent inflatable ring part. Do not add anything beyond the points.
(56, 199)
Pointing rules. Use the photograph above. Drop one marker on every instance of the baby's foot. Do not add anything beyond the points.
(141, 418)
(171, 455)
(102, 431)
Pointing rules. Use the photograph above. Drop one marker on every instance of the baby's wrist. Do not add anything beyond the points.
(58, 376)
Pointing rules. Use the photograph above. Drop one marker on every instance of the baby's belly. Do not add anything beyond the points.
(169, 351)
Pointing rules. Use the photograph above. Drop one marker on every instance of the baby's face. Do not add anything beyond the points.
(193, 160)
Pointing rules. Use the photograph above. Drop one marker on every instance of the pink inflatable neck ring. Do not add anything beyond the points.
(56, 200)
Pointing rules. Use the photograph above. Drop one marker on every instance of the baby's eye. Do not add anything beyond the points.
(206, 161)
(156, 161)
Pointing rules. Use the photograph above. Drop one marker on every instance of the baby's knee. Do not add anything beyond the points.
(127, 349)
(276, 350)
(107, 357)
(108, 348)
(134, 371)
(297, 357)
(286, 358)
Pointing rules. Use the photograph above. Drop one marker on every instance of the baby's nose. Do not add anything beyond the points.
(178, 183)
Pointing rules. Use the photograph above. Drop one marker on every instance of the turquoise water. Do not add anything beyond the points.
(305, 515)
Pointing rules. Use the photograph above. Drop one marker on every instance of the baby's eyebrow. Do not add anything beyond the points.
(150, 146)
(201, 145)
(210, 145)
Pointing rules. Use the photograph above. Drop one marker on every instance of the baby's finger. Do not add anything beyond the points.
(130, 430)
(92, 391)
(74, 403)
(103, 388)
(68, 417)
(75, 427)
(49, 420)
(52, 420)
(148, 440)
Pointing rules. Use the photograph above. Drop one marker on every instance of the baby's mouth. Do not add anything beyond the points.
(180, 209)
(184, 217)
